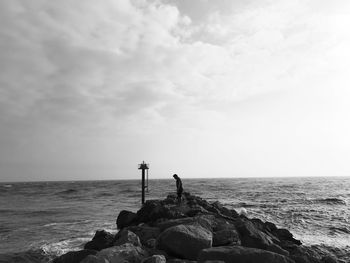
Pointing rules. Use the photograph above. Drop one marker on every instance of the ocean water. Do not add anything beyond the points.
(41, 220)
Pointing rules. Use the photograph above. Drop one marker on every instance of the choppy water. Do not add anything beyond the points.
(44, 219)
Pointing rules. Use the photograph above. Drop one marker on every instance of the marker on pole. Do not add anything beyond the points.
(144, 167)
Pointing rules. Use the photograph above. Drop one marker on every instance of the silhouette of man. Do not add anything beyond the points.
(179, 188)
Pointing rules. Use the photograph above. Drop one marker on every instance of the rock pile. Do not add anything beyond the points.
(194, 231)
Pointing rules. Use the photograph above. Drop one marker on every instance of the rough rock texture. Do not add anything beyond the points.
(101, 240)
(226, 237)
(185, 241)
(125, 236)
(74, 256)
(116, 254)
(145, 232)
(125, 218)
(239, 254)
(164, 229)
(155, 259)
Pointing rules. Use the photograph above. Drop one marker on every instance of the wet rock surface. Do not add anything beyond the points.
(195, 231)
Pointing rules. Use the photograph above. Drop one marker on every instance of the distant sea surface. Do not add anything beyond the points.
(41, 220)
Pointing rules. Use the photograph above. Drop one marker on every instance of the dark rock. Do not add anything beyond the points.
(92, 259)
(175, 222)
(226, 237)
(271, 227)
(101, 240)
(125, 218)
(124, 253)
(251, 236)
(205, 221)
(125, 236)
(196, 210)
(178, 260)
(153, 210)
(185, 241)
(151, 243)
(238, 254)
(74, 256)
(155, 259)
(329, 259)
(145, 232)
(277, 249)
(286, 237)
(302, 254)
(224, 211)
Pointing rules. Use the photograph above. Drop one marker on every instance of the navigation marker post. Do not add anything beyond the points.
(144, 167)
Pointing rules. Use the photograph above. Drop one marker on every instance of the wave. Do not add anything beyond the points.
(64, 246)
(344, 229)
(30, 256)
(331, 201)
(67, 192)
(105, 194)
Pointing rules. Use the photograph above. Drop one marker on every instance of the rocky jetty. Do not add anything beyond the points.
(194, 231)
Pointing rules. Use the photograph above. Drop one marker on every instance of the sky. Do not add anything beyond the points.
(224, 88)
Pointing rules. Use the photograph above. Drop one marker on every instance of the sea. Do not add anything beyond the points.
(41, 220)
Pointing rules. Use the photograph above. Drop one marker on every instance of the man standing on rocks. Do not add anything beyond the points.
(179, 188)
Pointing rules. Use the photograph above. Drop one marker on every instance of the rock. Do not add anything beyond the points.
(226, 237)
(286, 237)
(175, 222)
(178, 260)
(101, 240)
(125, 218)
(238, 254)
(155, 259)
(145, 232)
(124, 253)
(302, 254)
(185, 241)
(74, 256)
(153, 210)
(224, 211)
(126, 236)
(329, 259)
(251, 236)
(277, 249)
(92, 259)
(151, 243)
(205, 221)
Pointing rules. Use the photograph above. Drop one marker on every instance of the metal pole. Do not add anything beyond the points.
(143, 185)
(147, 181)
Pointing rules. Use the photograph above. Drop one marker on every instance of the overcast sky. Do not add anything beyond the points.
(202, 88)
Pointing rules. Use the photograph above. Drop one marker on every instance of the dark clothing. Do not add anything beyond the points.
(179, 188)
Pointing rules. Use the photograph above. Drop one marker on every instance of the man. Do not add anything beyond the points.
(179, 188)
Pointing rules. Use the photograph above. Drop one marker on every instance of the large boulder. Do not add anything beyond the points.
(153, 210)
(101, 240)
(251, 236)
(313, 254)
(205, 221)
(117, 254)
(226, 237)
(238, 254)
(74, 256)
(125, 218)
(125, 236)
(145, 232)
(185, 241)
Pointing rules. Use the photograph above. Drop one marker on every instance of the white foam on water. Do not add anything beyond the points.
(64, 246)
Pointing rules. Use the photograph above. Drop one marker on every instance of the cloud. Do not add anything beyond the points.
(81, 69)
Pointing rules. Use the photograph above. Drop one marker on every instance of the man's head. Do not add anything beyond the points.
(175, 176)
